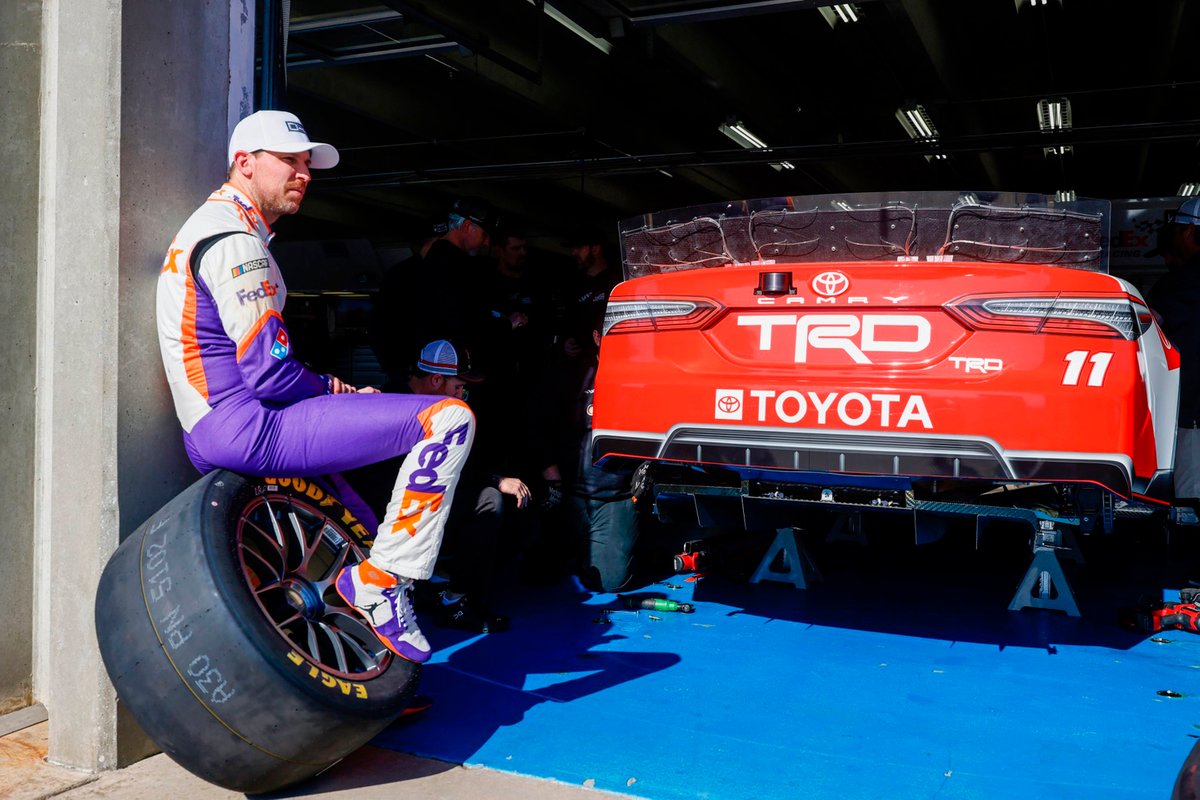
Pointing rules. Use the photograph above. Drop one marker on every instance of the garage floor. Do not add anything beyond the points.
(901, 674)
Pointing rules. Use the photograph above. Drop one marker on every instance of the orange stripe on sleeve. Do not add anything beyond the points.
(244, 344)
(193, 366)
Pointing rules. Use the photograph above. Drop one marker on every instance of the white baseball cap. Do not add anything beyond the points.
(279, 132)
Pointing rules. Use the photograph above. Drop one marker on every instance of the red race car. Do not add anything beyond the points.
(885, 352)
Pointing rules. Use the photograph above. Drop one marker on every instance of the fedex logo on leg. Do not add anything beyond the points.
(855, 335)
(425, 489)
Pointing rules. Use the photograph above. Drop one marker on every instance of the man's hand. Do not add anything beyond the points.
(517, 488)
(336, 386)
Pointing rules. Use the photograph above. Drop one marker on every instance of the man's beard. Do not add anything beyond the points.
(281, 205)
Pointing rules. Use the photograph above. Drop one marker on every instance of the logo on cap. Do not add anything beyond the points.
(296, 127)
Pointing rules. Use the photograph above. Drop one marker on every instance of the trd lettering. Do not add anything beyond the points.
(855, 335)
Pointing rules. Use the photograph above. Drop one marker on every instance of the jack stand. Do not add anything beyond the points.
(847, 528)
(1044, 584)
(796, 564)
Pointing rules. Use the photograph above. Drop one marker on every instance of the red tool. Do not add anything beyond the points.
(1159, 616)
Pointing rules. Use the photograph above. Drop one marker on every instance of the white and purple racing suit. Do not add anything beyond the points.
(247, 404)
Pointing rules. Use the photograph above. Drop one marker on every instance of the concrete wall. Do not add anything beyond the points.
(20, 64)
(135, 110)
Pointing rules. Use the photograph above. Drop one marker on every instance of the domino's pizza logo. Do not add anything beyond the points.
(279, 348)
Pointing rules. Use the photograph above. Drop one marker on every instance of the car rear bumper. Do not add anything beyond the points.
(873, 453)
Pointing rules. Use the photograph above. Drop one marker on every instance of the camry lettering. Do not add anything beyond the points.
(851, 409)
(852, 334)
(796, 300)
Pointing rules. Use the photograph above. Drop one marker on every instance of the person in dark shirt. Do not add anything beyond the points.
(1175, 299)
(480, 515)
(599, 502)
(587, 289)
(444, 294)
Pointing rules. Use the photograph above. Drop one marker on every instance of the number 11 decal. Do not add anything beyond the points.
(1075, 362)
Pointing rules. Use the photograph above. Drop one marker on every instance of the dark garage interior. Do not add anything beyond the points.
(597, 110)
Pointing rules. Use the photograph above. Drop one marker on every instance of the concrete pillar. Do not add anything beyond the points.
(136, 106)
(20, 64)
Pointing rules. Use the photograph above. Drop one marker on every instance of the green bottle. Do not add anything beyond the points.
(658, 604)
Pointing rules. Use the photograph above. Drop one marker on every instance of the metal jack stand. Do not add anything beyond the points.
(1044, 584)
(796, 565)
(847, 528)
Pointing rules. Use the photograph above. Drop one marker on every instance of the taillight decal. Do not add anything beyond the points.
(660, 313)
(1112, 317)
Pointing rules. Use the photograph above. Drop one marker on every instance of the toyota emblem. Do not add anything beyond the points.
(830, 284)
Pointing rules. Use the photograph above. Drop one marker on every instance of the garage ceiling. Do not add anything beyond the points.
(559, 111)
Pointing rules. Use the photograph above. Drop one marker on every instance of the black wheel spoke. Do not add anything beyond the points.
(291, 553)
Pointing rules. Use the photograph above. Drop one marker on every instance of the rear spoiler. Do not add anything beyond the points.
(926, 226)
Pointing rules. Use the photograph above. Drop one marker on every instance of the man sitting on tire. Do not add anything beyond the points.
(247, 404)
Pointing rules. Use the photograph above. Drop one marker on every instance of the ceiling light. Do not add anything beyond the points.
(839, 13)
(603, 45)
(1064, 196)
(1058, 150)
(1054, 114)
(1188, 189)
(916, 123)
(737, 131)
(779, 166)
(1034, 3)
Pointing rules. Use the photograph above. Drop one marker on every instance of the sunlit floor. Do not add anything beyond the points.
(901, 674)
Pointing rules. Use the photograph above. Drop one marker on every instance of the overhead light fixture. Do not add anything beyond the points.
(1034, 3)
(1188, 189)
(1064, 196)
(937, 157)
(1054, 114)
(1058, 150)
(916, 123)
(603, 45)
(738, 132)
(839, 13)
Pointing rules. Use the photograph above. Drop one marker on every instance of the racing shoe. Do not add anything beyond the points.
(383, 600)
(464, 615)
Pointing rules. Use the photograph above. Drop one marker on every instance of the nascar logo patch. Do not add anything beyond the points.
(250, 266)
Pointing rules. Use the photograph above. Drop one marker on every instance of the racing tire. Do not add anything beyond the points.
(221, 630)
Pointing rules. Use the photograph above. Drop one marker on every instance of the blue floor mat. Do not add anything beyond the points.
(901, 674)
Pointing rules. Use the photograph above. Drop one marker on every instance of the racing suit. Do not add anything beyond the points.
(247, 404)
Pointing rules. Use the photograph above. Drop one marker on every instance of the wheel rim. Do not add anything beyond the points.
(290, 553)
